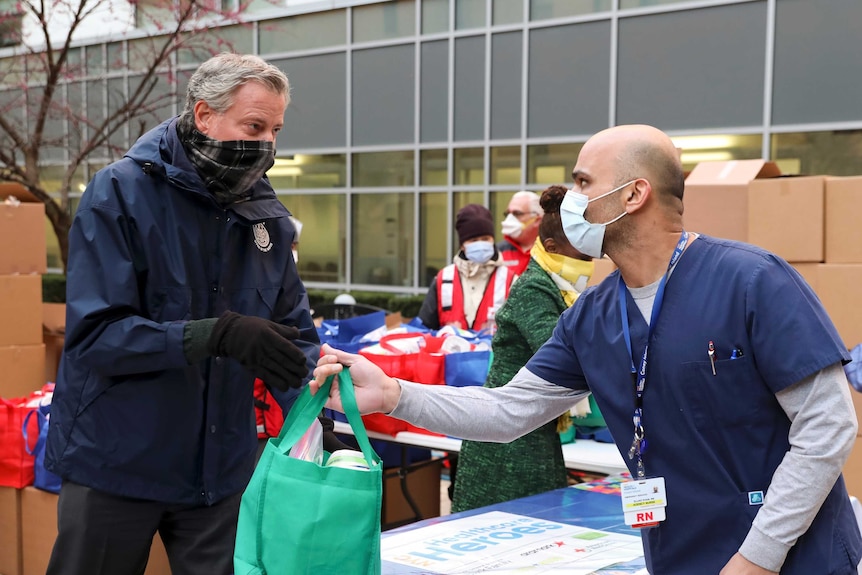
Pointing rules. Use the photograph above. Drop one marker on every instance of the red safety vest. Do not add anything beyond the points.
(450, 296)
(267, 412)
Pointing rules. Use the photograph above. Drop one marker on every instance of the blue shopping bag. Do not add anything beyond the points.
(467, 368)
(44, 479)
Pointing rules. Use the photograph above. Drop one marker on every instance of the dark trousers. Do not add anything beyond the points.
(103, 534)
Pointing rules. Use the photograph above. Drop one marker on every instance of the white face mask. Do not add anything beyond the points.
(585, 237)
(512, 226)
(479, 252)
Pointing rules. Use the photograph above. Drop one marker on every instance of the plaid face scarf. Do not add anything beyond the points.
(228, 168)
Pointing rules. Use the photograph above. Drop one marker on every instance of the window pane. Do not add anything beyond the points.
(508, 11)
(378, 169)
(201, 47)
(561, 102)
(309, 171)
(74, 64)
(835, 153)
(317, 114)
(470, 88)
(95, 113)
(115, 60)
(321, 243)
(469, 14)
(434, 92)
(159, 106)
(142, 53)
(383, 237)
(433, 168)
(433, 252)
(551, 163)
(661, 50)
(469, 166)
(435, 16)
(544, 9)
(718, 148)
(817, 63)
(384, 21)
(506, 165)
(506, 59)
(303, 32)
(382, 95)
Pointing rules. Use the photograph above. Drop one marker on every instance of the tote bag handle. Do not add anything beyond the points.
(307, 408)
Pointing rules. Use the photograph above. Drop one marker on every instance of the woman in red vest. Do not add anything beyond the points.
(467, 292)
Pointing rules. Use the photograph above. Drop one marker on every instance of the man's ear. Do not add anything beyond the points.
(203, 115)
(550, 245)
(638, 194)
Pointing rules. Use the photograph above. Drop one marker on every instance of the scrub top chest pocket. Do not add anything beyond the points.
(731, 395)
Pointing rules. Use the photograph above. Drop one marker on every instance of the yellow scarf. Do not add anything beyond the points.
(571, 275)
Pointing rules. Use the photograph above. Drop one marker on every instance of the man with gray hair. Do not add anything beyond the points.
(520, 230)
(181, 290)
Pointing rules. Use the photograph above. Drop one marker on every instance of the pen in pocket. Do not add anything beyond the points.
(710, 351)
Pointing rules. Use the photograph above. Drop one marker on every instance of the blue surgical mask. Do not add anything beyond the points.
(585, 237)
(479, 252)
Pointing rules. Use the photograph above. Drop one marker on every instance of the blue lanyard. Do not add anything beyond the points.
(639, 375)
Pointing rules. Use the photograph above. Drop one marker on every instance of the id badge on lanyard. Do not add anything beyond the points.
(644, 499)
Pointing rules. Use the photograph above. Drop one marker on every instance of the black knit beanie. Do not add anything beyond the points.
(473, 221)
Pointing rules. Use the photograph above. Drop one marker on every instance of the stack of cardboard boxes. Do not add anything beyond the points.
(28, 517)
(810, 221)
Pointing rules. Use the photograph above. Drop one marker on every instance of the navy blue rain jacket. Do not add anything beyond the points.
(150, 249)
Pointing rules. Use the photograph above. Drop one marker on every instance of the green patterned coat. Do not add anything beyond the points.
(490, 473)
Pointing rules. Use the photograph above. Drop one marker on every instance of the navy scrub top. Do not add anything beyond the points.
(714, 438)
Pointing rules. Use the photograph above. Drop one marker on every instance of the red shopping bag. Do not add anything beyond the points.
(17, 463)
(427, 366)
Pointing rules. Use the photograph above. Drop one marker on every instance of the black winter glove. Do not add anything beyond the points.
(261, 346)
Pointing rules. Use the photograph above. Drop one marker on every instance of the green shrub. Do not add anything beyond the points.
(408, 305)
(54, 288)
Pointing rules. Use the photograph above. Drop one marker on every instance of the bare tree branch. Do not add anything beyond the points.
(39, 111)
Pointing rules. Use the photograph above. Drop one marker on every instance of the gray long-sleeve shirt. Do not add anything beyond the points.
(821, 438)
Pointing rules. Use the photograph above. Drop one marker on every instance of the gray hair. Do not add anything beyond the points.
(217, 80)
(534, 199)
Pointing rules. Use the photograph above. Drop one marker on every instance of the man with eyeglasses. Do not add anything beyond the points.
(520, 230)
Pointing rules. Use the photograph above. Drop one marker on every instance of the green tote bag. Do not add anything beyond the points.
(298, 517)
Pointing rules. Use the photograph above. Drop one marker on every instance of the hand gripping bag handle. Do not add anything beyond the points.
(308, 407)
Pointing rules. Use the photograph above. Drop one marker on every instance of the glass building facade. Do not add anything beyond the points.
(403, 111)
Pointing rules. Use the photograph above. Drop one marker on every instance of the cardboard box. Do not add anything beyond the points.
(22, 370)
(20, 309)
(716, 196)
(22, 239)
(53, 336)
(745, 200)
(423, 485)
(843, 228)
(21, 194)
(786, 216)
(604, 268)
(39, 530)
(839, 286)
(857, 404)
(10, 531)
(809, 273)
